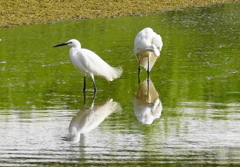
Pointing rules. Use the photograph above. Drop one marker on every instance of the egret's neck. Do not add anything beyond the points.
(73, 51)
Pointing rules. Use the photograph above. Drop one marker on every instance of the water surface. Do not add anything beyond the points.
(196, 81)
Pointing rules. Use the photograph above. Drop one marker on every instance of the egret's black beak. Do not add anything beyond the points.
(62, 44)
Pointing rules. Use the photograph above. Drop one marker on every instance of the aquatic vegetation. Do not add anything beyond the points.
(19, 12)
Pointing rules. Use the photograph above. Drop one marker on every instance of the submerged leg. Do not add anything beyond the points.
(84, 83)
(93, 99)
(84, 98)
(148, 74)
(84, 90)
(139, 70)
(95, 87)
(148, 87)
(94, 84)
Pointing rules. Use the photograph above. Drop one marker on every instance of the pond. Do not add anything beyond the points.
(196, 81)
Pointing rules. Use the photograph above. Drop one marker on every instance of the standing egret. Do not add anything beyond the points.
(147, 47)
(90, 63)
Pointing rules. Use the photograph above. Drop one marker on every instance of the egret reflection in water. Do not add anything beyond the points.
(91, 117)
(147, 105)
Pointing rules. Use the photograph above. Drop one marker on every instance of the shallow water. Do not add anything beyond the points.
(196, 81)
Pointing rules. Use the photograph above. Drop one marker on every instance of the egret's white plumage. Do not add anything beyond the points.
(90, 63)
(147, 47)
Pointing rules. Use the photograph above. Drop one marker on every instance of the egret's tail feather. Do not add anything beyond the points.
(112, 74)
(118, 72)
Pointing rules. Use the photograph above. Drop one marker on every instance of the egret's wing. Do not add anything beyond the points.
(148, 40)
(157, 40)
(92, 63)
(144, 48)
(137, 43)
(141, 42)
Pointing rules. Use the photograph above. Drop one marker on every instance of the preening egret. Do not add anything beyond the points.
(147, 47)
(90, 63)
(147, 104)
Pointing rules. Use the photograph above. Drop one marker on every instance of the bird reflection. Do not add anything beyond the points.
(147, 105)
(90, 117)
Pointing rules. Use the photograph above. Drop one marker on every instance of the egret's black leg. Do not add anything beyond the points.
(139, 70)
(94, 84)
(84, 83)
(94, 97)
(95, 88)
(84, 98)
(148, 73)
(148, 85)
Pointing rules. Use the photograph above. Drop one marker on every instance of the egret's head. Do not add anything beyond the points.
(71, 42)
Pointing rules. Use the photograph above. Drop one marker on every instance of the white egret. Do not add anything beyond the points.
(147, 47)
(90, 63)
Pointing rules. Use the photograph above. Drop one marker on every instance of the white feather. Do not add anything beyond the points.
(88, 62)
(147, 46)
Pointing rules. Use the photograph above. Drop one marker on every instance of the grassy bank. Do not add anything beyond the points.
(19, 12)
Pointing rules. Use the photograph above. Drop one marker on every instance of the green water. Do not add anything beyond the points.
(197, 78)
